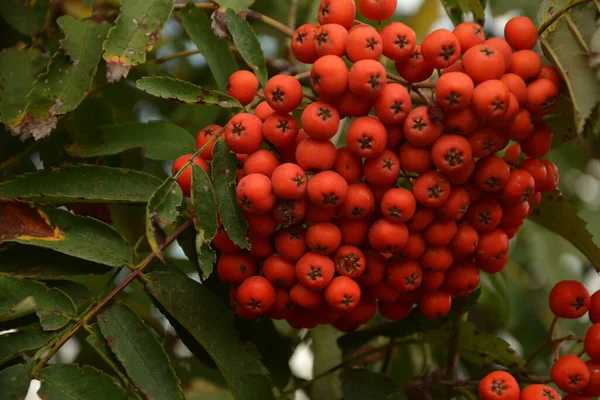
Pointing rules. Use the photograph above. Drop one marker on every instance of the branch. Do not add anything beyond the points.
(137, 272)
(542, 28)
(536, 352)
(255, 16)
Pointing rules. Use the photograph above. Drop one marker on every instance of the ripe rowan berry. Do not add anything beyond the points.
(374, 272)
(309, 299)
(256, 294)
(399, 41)
(377, 10)
(491, 173)
(414, 247)
(323, 237)
(354, 231)
(398, 205)
(223, 243)
(469, 34)
(432, 280)
(431, 189)
(570, 374)
(342, 294)
(320, 121)
(436, 258)
(330, 39)
(386, 236)
(569, 299)
(483, 62)
(503, 47)
(440, 232)
(280, 129)
(539, 392)
(393, 104)
(527, 64)
(314, 271)
(366, 137)
(513, 215)
(364, 42)
(591, 343)
(254, 193)
(395, 134)
(243, 133)
(315, 213)
(440, 48)
(315, 155)
(261, 247)
(404, 275)
(451, 153)
(263, 110)
(290, 242)
(414, 68)
(491, 100)
(454, 90)
(537, 169)
(289, 181)
(422, 217)
(499, 385)
(348, 165)
(518, 188)
(327, 189)
(279, 271)
(341, 12)
(552, 177)
(364, 310)
(382, 170)
(349, 261)
(464, 242)
(360, 202)
(303, 44)
(461, 279)
(521, 126)
(289, 212)
(594, 312)
(395, 311)
(203, 137)
(538, 144)
(261, 162)
(185, 179)
(367, 78)
(283, 93)
(242, 85)
(461, 122)
(520, 33)
(541, 97)
(456, 206)
(484, 214)
(329, 76)
(415, 159)
(282, 305)
(419, 128)
(235, 267)
(593, 386)
(492, 245)
(350, 104)
(516, 85)
(435, 304)
(550, 73)
(261, 224)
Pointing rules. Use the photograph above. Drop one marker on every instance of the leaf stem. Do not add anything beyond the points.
(24, 153)
(285, 394)
(302, 75)
(542, 28)
(536, 352)
(70, 332)
(256, 16)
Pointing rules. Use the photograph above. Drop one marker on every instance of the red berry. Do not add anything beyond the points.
(499, 385)
(570, 374)
(569, 299)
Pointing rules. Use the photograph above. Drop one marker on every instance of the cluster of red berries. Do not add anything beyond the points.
(417, 203)
(579, 379)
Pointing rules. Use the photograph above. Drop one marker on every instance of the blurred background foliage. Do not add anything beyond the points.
(513, 304)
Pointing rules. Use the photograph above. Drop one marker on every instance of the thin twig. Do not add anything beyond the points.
(70, 332)
(542, 28)
(291, 23)
(453, 355)
(255, 16)
(543, 344)
(302, 75)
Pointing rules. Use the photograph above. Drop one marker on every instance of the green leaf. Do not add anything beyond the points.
(15, 381)
(135, 32)
(216, 52)
(204, 203)
(561, 47)
(26, 17)
(206, 255)
(61, 382)
(64, 232)
(224, 167)
(559, 215)
(562, 123)
(453, 10)
(63, 86)
(18, 70)
(161, 213)
(81, 184)
(25, 339)
(159, 140)
(19, 297)
(474, 7)
(176, 89)
(248, 45)
(479, 348)
(38, 263)
(237, 5)
(595, 52)
(326, 355)
(140, 353)
(360, 384)
(79, 293)
(211, 323)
